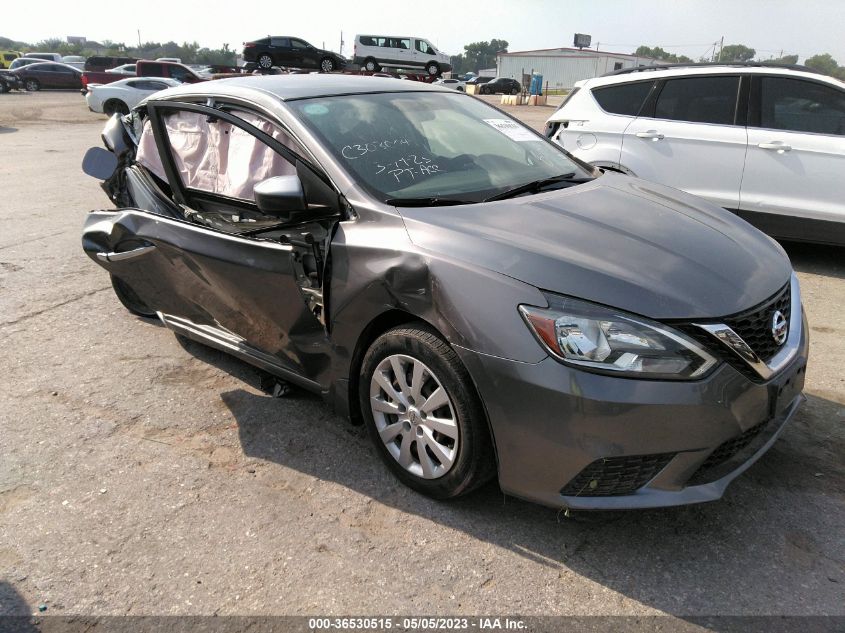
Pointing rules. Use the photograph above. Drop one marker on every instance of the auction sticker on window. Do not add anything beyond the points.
(512, 130)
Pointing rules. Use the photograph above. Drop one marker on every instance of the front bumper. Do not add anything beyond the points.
(13, 81)
(565, 437)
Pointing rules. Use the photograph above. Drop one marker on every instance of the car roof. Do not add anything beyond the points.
(648, 74)
(292, 87)
(48, 63)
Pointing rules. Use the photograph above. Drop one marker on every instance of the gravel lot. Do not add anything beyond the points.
(144, 475)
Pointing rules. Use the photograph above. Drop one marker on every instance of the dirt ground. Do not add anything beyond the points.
(143, 475)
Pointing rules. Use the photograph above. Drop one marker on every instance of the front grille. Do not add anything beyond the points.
(709, 471)
(755, 325)
(612, 476)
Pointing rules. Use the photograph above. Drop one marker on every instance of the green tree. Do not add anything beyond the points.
(786, 59)
(661, 55)
(824, 63)
(458, 64)
(736, 53)
(188, 52)
(480, 55)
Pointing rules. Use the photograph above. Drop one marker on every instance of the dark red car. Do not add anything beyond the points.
(50, 75)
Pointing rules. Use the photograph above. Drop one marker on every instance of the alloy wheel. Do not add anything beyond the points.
(414, 416)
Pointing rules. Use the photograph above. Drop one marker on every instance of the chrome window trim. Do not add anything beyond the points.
(726, 336)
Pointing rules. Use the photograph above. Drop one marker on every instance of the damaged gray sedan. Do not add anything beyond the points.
(486, 304)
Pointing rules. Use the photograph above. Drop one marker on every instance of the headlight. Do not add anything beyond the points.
(610, 341)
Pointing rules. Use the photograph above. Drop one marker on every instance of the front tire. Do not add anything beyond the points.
(423, 413)
(433, 69)
(32, 85)
(327, 65)
(265, 61)
(371, 65)
(130, 300)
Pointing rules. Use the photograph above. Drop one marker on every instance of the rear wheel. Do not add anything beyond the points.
(265, 61)
(514, 91)
(3, 87)
(115, 106)
(371, 65)
(32, 85)
(423, 413)
(130, 300)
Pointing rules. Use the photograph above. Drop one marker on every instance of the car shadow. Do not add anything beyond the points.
(756, 550)
(15, 612)
(7, 130)
(818, 259)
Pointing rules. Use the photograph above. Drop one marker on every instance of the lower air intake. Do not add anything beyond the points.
(613, 476)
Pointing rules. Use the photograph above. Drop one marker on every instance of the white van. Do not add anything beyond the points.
(399, 51)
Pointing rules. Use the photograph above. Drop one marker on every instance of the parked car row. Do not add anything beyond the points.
(767, 143)
(8, 59)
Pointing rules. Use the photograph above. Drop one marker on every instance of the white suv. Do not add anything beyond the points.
(766, 142)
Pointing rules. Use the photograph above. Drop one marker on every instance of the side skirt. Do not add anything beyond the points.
(237, 347)
(790, 227)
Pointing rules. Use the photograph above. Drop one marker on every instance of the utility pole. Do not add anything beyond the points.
(139, 38)
(341, 43)
(721, 46)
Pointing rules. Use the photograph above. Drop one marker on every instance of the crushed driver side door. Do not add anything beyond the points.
(254, 292)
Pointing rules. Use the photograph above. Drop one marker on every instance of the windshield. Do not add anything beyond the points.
(410, 145)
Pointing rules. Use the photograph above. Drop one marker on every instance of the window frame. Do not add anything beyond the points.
(643, 105)
(429, 49)
(755, 103)
(220, 109)
(648, 109)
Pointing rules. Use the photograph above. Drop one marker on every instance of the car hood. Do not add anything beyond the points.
(619, 241)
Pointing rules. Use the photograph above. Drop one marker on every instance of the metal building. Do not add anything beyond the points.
(562, 67)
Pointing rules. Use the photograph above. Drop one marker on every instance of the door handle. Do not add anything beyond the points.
(653, 135)
(123, 256)
(778, 146)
